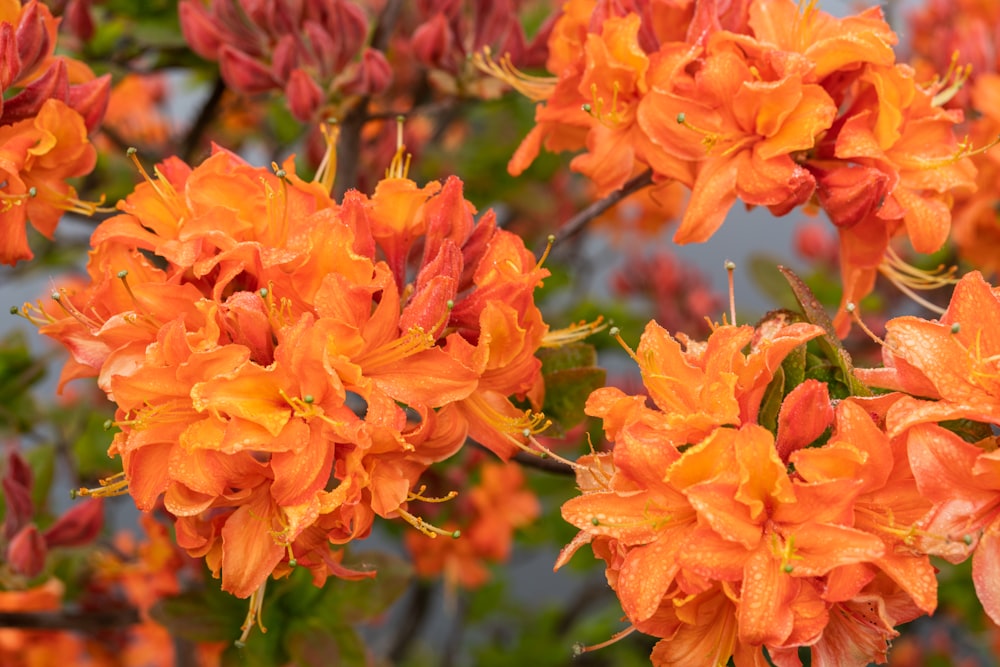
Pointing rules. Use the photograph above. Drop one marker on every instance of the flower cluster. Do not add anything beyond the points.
(286, 367)
(723, 536)
(766, 102)
(49, 105)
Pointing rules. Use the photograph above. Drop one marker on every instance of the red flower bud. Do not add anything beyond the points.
(10, 61)
(90, 100)
(432, 43)
(805, 414)
(285, 57)
(80, 525)
(243, 73)
(373, 74)
(200, 30)
(346, 24)
(304, 95)
(26, 552)
(33, 40)
(17, 483)
(79, 19)
(53, 83)
(324, 49)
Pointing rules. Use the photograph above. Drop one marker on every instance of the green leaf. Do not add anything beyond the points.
(828, 343)
(770, 404)
(203, 615)
(768, 281)
(570, 376)
(571, 355)
(566, 394)
(310, 643)
(364, 600)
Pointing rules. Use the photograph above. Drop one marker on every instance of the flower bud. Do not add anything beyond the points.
(34, 43)
(78, 526)
(53, 83)
(245, 74)
(17, 483)
(346, 24)
(79, 19)
(304, 95)
(200, 31)
(804, 415)
(373, 74)
(10, 61)
(90, 100)
(323, 49)
(26, 552)
(432, 43)
(285, 57)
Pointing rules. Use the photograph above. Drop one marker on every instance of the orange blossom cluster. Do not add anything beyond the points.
(724, 537)
(767, 102)
(286, 367)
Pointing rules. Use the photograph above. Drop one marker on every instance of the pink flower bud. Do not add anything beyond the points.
(323, 48)
(26, 552)
(304, 95)
(17, 483)
(78, 526)
(285, 57)
(33, 40)
(79, 19)
(245, 74)
(346, 24)
(432, 43)
(200, 30)
(10, 61)
(373, 74)
(53, 83)
(90, 100)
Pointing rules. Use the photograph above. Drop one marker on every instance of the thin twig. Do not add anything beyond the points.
(545, 464)
(577, 223)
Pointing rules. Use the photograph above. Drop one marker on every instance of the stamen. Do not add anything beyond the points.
(418, 495)
(580, 649)
(958, 76)
(413, 341)
(616, 334)
(253, 616)
(116, 485)
(851, 308)
(399, 167)
(908, 278)
(730, 269)
(536, 88)
(326, 173)
(549, 241)
(160, 185)
(427, 529)
(573, 333)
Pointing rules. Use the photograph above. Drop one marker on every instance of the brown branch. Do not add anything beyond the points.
(196, 132)
(576, 224)
(89, 621)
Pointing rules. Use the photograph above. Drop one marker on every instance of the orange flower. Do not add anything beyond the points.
(963, 482)
(953, 360)
(37, 155)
